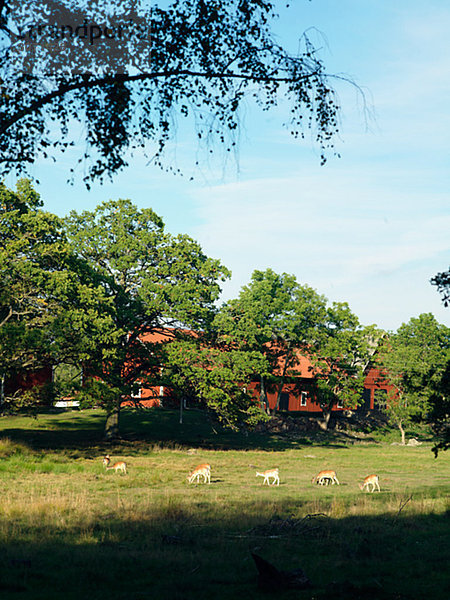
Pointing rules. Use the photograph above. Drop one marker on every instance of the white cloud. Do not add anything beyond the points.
(338, 234)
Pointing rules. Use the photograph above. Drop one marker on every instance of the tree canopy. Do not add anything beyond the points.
(283, 320)
(216, 376)
(127, 84)
(275, 316)
(340, 357)
(31, 253)
(46, 291)
(151, 280)
(414, 360)
(91, 290)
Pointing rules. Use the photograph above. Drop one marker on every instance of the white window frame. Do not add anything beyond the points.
(138, 395)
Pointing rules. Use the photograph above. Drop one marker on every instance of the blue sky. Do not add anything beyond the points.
(369, 228)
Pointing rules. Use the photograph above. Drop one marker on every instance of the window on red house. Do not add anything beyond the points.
(136, 392)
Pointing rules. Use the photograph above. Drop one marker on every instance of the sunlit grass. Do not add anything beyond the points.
(66, 523)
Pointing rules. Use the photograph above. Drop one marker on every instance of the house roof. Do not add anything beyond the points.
(165, 334)
(301, 367)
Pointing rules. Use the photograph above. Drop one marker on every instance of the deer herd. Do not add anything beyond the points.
(328, 477)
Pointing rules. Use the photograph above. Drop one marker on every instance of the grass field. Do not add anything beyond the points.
(69, 529)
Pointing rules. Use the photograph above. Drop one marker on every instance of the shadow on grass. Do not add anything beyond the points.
(83, 431)
(186, 553)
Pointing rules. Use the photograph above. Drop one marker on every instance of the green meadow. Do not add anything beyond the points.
(70, 529)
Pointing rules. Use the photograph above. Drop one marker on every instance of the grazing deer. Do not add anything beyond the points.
(118, 466)
(268, 474)
(200, 471)
(325, 477)
(370, 480)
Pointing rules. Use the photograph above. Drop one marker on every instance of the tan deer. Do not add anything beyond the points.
(200, 471)
(117, 466)
(271, 473)
(370, 480)
(325, 477)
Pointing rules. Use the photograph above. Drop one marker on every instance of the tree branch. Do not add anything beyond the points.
(123, 78)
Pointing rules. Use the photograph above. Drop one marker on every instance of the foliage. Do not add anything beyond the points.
(29, 401)
(414, 360)
(195, 60)
(30, 249)
(217, 377)
(340, 358)
(90, 290)
(34, 259)
(442, 282)
(151, 280)
(276, 316)
(439, 415)
(441, 400)
(67, 380)
(284, 320)
(47, 295)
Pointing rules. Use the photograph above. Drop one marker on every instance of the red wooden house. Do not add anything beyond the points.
(26, 380)
(376, 388)
(149, 396)
(297, 392)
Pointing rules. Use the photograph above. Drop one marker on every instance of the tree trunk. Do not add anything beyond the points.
(403, 433)
(263, 397)
(112, 424)
(324, 422)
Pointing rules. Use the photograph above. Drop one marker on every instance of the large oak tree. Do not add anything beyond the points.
(151, 279)
(282, 319)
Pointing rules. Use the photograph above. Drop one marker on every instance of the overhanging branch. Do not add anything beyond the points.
(123, 78)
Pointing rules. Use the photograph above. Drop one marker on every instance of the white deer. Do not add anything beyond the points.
(201, 471)
(117, 466)
(370, 480)
(325, 477)
(268, 474)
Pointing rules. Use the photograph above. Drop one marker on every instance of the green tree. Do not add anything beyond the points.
(199, 60)
(44, 288)
(414, 360)
(151, 280)
(216, 376)
(31, 253)
(340, 357)
(276, 316)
